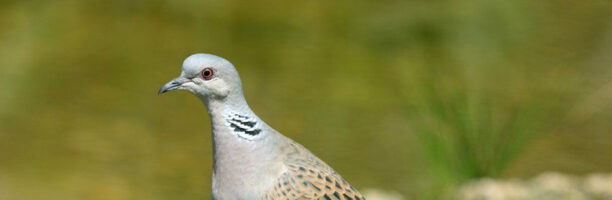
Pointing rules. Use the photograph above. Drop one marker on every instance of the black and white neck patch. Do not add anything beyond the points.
(243, 126)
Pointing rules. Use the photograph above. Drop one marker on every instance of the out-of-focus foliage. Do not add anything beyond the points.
(410, 96)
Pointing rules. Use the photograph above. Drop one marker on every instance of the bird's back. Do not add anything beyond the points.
(307, 177)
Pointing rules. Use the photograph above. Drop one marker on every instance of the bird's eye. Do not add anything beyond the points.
(207, 73)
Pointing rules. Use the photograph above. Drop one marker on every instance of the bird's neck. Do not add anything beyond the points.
(223, 111)
(232, 122)
(231, 103)
(238, 134)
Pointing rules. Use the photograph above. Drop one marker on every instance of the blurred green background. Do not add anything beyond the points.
(412, 96)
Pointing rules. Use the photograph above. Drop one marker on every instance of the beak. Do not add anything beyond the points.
(173, 85)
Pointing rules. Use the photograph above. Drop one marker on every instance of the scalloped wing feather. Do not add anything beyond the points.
(307, 177)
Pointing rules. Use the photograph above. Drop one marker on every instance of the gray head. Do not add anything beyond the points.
(207, 76)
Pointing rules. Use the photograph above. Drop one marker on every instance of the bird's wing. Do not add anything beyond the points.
(307, 177)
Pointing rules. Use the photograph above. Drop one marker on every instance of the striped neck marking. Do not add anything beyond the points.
(243, 126)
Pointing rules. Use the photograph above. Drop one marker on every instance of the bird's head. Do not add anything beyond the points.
(207, 76)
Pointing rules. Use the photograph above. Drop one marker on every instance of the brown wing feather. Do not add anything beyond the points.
(307, 177)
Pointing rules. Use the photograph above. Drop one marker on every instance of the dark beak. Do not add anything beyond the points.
(173, 85)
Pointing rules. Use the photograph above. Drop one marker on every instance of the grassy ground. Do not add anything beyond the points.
(411, 96)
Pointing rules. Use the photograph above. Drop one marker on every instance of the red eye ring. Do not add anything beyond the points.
(207, 73)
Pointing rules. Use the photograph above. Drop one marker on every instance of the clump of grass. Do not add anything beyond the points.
(469, 132)
(472, 104)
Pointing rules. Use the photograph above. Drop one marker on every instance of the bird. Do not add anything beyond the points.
(251, 160)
